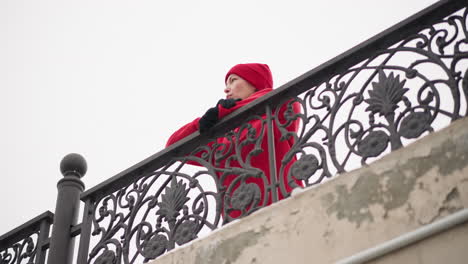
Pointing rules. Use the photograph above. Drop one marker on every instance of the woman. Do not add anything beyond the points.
(248, 173)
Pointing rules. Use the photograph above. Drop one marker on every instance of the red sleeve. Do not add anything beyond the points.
(193, 126)
(297, 110)
(183, 132)
(222, 112)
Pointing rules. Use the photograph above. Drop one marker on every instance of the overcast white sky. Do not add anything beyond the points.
(112, 80)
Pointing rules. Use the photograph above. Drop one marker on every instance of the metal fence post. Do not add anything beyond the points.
(43, 235)
(73, 167)
(272, 154)
(85, 232)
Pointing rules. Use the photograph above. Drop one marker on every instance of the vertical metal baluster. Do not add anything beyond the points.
(85, 237)
(42, 238)
(272, 155)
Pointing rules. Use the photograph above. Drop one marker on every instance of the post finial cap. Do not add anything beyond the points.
(73, 164)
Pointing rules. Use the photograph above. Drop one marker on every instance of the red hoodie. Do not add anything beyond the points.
(257, 161)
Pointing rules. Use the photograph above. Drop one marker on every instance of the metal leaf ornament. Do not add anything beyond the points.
(245, 195)
(386, 94)
(373, 144)
(415, 124)
(173, 200)
(155, 247)
(107, 257)
(185, 232)
(305, 167)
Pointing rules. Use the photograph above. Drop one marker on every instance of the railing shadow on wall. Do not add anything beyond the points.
(377, 97)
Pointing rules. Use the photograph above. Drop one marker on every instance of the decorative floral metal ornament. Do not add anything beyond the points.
(349, 116)
(415, 124)
(386, 95)
(373, 144)
(175, 222)
(245, 195)
(185, 232)
(173, 200)
(23, 250)
(155, 247)
(107, 257)
(305, 167)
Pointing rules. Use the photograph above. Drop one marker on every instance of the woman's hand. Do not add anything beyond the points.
(210, 118)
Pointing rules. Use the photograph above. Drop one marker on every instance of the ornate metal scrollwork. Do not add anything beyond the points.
(305, 167)
(151, 216)
(169, 208)
(244, 196)
(397, 94)
(21, 252)
(354, 117)
(232, 159)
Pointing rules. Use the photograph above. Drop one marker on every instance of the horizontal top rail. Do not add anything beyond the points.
(337, 65)
(25, 230)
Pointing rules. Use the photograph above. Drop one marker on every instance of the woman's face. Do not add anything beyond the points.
(238, 88)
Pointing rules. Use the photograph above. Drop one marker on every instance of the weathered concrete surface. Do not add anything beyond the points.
(450, 247)
(406, 189)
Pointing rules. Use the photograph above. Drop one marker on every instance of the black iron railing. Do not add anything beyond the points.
(28, 242)
(375, 98)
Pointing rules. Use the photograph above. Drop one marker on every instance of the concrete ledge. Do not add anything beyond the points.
(404, 190)
(448, 247)
(408, 240)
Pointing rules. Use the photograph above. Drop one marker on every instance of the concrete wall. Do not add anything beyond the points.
(404, 190)
(450, 247)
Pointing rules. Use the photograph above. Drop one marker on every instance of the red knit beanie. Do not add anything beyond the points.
(257, 74)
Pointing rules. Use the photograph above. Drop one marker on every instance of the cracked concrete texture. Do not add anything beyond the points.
(227, 251)
(392, 188)
(448, 247)
(410, 187)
